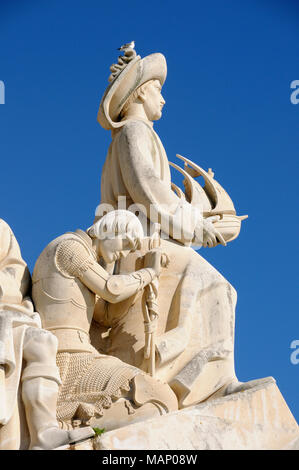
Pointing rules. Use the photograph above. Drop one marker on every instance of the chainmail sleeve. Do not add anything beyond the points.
(72, 258)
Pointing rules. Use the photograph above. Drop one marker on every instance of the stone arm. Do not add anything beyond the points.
(73, 259)
(136, 148)
(115, 288)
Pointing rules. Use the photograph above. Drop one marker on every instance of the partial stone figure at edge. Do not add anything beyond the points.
(34, 387)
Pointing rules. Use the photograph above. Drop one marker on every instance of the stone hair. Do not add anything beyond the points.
(134, 97)
(119, 222)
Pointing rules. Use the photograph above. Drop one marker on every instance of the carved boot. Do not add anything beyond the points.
(235, 386)
(148, 397)
(39, 395)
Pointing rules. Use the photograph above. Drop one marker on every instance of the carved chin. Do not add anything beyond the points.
(157, 116)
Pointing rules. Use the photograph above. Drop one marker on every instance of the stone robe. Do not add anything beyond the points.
(16, 315)
(137, 170)
(195, 331)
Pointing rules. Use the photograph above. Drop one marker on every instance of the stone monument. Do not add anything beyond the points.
(125, 322)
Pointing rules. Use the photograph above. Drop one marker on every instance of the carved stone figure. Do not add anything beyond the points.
(195, 330)
(22, 339)
(67, 281)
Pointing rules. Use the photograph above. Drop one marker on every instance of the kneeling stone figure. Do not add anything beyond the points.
(67, 280)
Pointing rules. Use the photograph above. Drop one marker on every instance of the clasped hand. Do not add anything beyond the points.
(156, 259)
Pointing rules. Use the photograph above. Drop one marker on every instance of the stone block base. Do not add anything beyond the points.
(258, 418)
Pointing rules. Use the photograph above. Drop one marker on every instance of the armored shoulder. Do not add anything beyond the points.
(73, 257)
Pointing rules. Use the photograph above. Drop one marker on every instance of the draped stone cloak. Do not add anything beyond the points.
(16, 315)
(195, 331)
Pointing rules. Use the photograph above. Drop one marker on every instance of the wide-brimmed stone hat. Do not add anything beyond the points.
(134, 74)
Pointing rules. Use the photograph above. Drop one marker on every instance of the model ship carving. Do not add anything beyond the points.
(212, 198)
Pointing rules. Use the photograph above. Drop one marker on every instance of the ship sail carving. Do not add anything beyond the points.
(212, 197)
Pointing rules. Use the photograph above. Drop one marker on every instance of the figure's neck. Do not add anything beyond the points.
(136, 111)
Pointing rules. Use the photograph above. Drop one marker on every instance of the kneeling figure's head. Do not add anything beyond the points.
(117, 234)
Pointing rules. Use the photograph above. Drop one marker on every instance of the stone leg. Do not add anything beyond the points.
(208, 361)
(10, 433)
(195, 330)
(40, 383)
(146, 399)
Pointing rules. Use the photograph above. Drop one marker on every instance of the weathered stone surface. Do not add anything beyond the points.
(89, 444)
(254, 419)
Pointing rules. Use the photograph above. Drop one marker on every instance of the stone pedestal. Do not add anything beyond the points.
(258, 418)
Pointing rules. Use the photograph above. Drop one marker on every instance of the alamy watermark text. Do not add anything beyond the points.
(2, 92)
(295, 354)
(295, 94)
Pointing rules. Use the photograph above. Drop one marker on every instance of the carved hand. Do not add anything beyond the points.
(207, 234)
(156, 259)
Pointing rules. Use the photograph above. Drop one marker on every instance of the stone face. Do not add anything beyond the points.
(254, 419)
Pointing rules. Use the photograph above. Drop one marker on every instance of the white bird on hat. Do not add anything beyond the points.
(129, 45)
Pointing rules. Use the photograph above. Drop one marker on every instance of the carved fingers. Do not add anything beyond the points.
(211, 236)
(156, 259)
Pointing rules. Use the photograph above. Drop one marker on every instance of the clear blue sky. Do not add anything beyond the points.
(230, 65)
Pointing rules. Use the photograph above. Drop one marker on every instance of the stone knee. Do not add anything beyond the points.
(146, 389)
(39, 352)
(232, 295)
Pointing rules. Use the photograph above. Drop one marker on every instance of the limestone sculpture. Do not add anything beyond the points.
(136, 324)
(194, 334)
(96, 389)
(22, 339)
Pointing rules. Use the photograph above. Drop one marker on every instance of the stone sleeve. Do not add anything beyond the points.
(115, 288)
(148, 189)
(72, 258)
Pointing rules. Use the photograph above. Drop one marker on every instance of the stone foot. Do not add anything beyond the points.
(54, 437)
(235, 386)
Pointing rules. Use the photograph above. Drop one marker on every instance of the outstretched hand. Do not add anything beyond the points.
(207, 233)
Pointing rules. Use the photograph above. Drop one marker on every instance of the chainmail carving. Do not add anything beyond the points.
(90, 384)
(72, 258)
